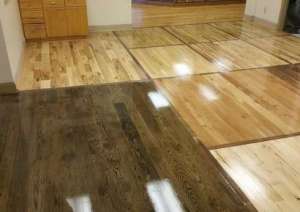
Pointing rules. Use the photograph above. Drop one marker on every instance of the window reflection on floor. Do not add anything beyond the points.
(80, 203)
(163, 196)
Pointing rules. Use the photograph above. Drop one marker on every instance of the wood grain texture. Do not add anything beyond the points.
(147, 37)
(173, 61)
(236, 54)
(247, 29)
(98, 149)
(238, 107)
(199, 33)
(161, 15)
(268, 172)
(100, 58)
(286, 47)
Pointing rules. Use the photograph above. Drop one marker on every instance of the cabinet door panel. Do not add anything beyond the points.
(77, 21)
(31, 4)
(75, 2)
(32, 15)
(54, 3)
(56, 22)
(34, 31)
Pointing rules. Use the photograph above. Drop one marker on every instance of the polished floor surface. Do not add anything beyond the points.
(171, 61)
(147, 37)
(246, 30)
(199, 33)
(268, 173)
(238, 107)
(236, 54)
(144, 15)
(105, 148)
(286, 47)
(155, 52)
(231, 83)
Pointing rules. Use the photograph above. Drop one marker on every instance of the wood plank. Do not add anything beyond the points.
(199, 33)
(162, 15)
(238, 107)
(247, 29)
(286, 47)
(147, 37)
(100, 58)
(236, 54)
(173, 61)
(268, 172)
(100, 148)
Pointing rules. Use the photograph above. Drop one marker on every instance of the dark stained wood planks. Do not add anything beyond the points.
(100, 147)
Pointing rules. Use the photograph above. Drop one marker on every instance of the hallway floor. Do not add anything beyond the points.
(172, 93)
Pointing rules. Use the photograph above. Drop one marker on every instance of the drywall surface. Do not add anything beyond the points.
(12, 33)
(268, 10)
(109, 12)
(5, 73)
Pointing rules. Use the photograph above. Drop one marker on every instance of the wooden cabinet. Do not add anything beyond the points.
(56, 23)
(53, 18)
(77, 25)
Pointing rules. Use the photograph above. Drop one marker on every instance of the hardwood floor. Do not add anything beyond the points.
(199, 33)
(238, 107)
(158, 15)
(99, 59)
(286, 47)
(147, 37)
(268, 172)
(246, 29)
(105, 148)
(173, 61)
(236, 54)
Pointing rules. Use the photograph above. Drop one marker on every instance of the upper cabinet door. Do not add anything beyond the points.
(77, 21)
(56, 22)
(31, 4)
(54, 3)
(75, 2)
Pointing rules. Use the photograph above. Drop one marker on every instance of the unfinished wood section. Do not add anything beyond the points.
(99, 59)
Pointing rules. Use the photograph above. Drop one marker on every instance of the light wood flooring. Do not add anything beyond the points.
(268, 172)
(145, 15)
(238, 107)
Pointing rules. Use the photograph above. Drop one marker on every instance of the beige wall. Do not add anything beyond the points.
(268, 10)
(109, 12)
(5, 74)
(12, 34)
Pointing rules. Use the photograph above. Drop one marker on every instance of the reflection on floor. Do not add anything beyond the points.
(105, 148)
(232, 83)
(238, 107)
(268, 173)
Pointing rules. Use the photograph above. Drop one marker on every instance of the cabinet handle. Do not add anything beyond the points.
(52, 2)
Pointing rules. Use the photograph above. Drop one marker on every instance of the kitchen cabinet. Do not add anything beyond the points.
(50, 19)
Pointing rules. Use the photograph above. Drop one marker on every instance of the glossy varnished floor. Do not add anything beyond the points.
(238, 107)
(144, 15)
(110, 148)
(268, 172)
(155, 52)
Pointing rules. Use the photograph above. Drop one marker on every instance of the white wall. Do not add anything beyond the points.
(268, 10)
(109, 12)
(12, 34)
(5, 74)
